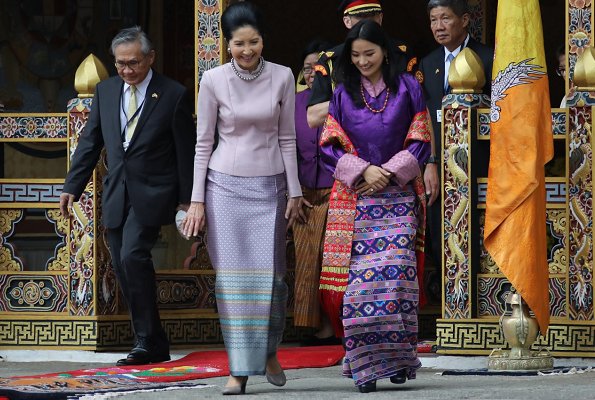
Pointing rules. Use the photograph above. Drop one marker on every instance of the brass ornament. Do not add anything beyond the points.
(584, 71)
(466, 73)
(88, 75)
(520, 331)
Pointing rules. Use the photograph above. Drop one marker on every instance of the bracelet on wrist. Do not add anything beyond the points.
(432, 160)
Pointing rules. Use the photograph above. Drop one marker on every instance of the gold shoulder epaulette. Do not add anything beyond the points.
(320, 69)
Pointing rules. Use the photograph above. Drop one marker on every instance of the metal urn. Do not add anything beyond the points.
(520, 330)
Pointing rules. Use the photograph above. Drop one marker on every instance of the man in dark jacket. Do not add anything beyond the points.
(449, 21)
(144, 122)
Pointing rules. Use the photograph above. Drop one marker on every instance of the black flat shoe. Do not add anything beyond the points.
(316, 341)
(367, 387)
(399, 378)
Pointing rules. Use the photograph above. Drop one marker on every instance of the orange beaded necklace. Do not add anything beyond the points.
(368, 106)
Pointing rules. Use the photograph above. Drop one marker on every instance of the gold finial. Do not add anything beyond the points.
(88, 75)
(584, 71)
(465, 74)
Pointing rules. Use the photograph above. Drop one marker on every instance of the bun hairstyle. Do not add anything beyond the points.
(239, 15)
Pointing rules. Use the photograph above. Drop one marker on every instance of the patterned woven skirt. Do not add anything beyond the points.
(246, 243)
(309, 242)
(380, 303)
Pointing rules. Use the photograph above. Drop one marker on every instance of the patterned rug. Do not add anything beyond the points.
(197, 365)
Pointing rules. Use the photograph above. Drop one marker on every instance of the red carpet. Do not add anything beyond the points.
(198, 365)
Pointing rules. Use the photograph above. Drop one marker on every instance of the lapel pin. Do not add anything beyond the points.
(154, 95)
(437, 71)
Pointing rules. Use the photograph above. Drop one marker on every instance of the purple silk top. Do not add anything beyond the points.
(311, 170)
(378, 136)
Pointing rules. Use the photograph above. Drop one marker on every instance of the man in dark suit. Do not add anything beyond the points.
(144, 121)
(449, 21)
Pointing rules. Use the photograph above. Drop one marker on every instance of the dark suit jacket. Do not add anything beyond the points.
(156, 170)
(432, 68)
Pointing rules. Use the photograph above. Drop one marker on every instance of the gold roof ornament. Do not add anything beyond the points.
(465, 74)
(88, 75)
(584, 71)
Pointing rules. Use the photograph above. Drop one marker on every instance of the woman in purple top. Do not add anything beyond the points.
(308, 236)
(375, 141)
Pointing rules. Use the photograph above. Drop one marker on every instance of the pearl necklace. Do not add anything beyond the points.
(368, 106)
(251, 77)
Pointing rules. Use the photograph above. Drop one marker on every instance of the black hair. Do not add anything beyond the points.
(459, 7)
(239, 15)
(316, 45)
(347, 73)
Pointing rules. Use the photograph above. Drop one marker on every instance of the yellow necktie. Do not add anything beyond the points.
(131, 113)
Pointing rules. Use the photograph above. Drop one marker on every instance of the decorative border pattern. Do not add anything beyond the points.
(29, 127)
(456, 192)
(26, 293)
(477, 20)
(61, 256)
(80, 335)
(34, 193)
(209, 40)
(475, 336)
(557, 237)
(8, 260)
(195, 292)
(81, 239)
(580, 214)
(492, 292)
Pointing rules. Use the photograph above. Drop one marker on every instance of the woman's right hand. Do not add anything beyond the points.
(195, 219)
(375, 178)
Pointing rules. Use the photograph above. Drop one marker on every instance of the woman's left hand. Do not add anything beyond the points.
(293, 210)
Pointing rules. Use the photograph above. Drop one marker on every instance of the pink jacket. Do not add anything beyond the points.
(254, 121)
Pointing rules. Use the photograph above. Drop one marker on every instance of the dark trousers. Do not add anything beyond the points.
(130, 247)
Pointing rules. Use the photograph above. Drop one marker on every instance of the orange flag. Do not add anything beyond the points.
(521, 144)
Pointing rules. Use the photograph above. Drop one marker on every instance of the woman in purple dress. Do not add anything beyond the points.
(375, 142)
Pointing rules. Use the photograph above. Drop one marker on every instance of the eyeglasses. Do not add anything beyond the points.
(132, 64)
(561, 71)
(307, 70)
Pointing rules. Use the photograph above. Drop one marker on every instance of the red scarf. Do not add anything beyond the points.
(341, 218)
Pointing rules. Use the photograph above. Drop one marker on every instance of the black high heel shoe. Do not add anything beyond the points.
(400, 377)
(367, 387)
(237, 389)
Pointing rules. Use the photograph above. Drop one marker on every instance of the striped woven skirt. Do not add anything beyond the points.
(308, 239)
(380, 303)
(246, 242)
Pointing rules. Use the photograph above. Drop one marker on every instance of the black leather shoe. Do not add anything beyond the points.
(367, 387)
(140, 356)
(400, 377)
